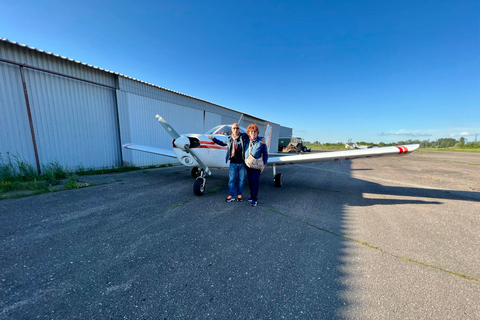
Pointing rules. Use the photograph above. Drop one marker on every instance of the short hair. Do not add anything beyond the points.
(252, 127)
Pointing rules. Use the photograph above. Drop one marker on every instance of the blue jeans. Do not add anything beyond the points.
(236, 177)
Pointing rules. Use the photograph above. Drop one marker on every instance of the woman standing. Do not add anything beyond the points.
(257, 149)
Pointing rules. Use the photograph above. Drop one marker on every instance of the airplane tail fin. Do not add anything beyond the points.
(239, 120)
(268, 136)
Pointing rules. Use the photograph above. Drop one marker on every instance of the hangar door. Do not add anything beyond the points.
(75, 122)
(15, 137)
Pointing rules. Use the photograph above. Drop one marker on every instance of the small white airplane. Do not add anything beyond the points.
(199, 152)
(354, 145)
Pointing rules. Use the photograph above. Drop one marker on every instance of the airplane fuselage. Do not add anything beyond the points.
(212, 154)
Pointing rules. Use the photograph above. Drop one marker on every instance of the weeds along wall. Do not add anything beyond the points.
(54, 109)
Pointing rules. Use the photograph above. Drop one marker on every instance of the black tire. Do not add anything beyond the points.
(195, 173)
(199, 187)
(278, 180)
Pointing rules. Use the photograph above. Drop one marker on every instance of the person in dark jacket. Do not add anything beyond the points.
(258, 150)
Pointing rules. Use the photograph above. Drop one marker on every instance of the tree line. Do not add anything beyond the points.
(439, 143)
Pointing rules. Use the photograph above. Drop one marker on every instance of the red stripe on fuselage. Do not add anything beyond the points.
(211, 147)
(207, 147)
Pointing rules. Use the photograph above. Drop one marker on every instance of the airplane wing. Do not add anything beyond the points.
(342, 155)
(154, 150)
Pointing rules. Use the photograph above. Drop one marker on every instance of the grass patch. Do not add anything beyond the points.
(81, 171)
(182, 203)
(453, 149)
(18, 178)
(326, 147)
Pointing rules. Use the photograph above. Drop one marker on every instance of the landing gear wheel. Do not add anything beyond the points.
(278, 180)
(199, 186)
(195, 173)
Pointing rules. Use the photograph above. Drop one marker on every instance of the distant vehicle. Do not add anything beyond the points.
(291, 144)
(354, 145)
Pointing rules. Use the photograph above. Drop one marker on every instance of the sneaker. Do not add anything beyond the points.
(250, 199)
(254, 203)
(239, 199)
(229, 199)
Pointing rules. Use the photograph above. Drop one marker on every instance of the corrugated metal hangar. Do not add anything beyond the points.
(54, 109)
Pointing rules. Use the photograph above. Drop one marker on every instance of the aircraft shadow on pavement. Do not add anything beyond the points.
(358, 192)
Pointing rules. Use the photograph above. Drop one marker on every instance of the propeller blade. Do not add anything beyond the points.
(175, 136)
(268, 136)
(204, 167)
(167, 127)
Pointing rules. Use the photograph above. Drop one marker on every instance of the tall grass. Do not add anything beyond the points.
(17, 175)
(12, 168)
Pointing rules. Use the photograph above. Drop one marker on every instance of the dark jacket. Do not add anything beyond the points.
(243, 136)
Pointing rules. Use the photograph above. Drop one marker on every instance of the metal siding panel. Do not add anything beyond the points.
(75, 122)
(285, 132)
(138, 115)
(274, 141)
(211, 120)
(151, 91)
(56, 63)
(15, 134)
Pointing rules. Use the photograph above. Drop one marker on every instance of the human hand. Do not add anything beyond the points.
(263, 141)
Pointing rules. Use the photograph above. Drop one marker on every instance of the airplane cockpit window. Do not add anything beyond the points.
(224, 129)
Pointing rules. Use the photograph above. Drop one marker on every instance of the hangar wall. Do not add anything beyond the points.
(54, 109)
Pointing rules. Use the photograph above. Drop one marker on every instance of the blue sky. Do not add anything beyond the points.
(331, 70)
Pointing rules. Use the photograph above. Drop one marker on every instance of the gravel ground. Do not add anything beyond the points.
(385, 238)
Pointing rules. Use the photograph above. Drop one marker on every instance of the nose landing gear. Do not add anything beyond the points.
(200, 181)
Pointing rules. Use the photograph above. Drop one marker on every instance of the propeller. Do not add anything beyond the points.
(182, 142)
(168, 127)
(204, 167)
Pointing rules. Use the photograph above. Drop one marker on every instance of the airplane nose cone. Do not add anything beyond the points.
(181, 141)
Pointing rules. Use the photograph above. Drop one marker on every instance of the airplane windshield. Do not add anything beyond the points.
(224, 129)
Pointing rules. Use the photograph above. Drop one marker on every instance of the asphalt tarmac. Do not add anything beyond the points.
(386, 238)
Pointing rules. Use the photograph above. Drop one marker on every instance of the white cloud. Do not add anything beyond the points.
(405, 133)
(464, 134)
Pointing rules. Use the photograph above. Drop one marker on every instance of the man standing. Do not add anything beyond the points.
(235, 153)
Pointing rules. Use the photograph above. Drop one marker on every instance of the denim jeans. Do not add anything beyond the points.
(254, 182)
(236, 177)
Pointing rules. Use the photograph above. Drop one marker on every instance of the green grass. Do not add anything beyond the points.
(18, 178)
(325, 147)
(453, 149)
